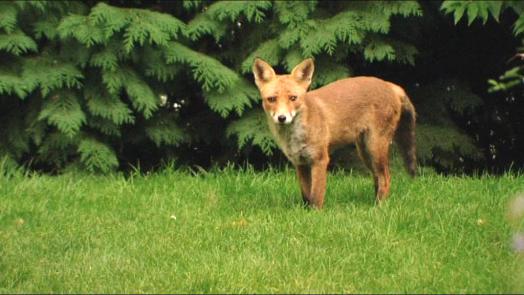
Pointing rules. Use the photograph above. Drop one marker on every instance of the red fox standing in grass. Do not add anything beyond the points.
(365, 111)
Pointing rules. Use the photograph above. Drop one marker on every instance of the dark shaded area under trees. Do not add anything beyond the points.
(120, 84)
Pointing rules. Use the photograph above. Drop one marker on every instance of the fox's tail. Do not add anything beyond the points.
(405, 135)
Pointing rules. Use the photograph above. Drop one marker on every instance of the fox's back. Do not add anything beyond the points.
(357, 92)
(354, 104)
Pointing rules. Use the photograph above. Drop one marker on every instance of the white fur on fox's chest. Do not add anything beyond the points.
(292, 139)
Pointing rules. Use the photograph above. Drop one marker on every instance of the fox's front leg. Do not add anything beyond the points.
(304, 178)
(318, 182)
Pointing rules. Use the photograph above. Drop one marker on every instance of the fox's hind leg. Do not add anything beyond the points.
(374, 152)
(366, 158)
(381, 169)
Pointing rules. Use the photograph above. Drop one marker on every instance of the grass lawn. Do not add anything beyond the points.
(231, 231)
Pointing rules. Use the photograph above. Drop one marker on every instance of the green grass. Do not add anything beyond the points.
(230, 231)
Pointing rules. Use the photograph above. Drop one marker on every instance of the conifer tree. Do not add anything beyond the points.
(83, 83)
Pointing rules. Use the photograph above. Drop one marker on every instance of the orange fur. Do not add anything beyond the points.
(307, 126)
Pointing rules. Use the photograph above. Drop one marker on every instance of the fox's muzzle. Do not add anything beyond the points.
(283, 117)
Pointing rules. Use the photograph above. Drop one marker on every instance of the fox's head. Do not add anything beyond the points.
(283, 95)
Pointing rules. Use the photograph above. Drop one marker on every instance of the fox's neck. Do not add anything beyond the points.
(293, 139)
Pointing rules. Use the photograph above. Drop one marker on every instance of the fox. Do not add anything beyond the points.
(308, 126)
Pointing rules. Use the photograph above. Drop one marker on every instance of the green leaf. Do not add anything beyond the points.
(105, 59)
(83, 29)
(11, 83)
(17, 43)
(293, 13)
(142, 96)
(237, 97)
(191, 4)
(473, 12)
(209, 72)
(404, 53)
(327, 71)
(63, 111)
(96, 155)
(162, 130)
(56, 148)
(232, 10)
(292, 58)
(518, 26)
(203, 24)
(433, 138)
(47, 27)
(107, 106)
(105, 126)
(139, 25)
(51, 74)
(252, 127)
(378, 50)
(348, 27)
(8, 15)
(269, 51)
(495, 7)
(456, 7)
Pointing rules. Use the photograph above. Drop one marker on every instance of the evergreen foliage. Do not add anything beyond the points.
(329, 33)
(95, 85)
(439, 140)
(482, 10)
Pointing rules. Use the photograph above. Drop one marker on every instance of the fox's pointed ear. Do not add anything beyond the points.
(263, 72)
(303, 72)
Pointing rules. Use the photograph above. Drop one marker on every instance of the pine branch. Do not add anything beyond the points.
(47, 28)
(345, 26)
(107, 106)
(404, 8)
(244, 127)
(74, 53)
(203, 24)
(432, 139)
(473, 10)
(233, 10)
(269, 50)
(63, 111)
(17, 43)
(210, 73)
(237, 97)
(97, 156)
(106, 59)
(294, 13)
(106, 126)
(15, 140)
(162, 130)
(139, 25)
(82, 29)
(56, 149)
(154, 65)
(329, 71)
(404, 53)
(11, 83)
(377, 49)
(51, 74)
(142, 96)
(192, 4)
(293, 58)
(8, 16)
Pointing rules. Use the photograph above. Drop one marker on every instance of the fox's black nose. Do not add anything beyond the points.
(281, 118)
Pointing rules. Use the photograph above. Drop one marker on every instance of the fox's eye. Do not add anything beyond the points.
(293, 97)
(272, 99)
